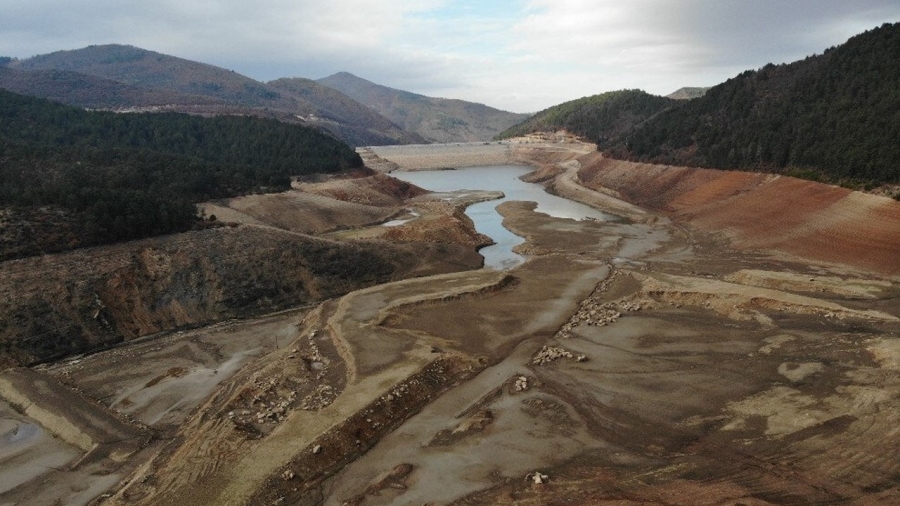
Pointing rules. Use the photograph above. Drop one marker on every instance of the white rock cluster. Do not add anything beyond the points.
(553, 353)
(521, 384)
(593, 312)
(321, 397)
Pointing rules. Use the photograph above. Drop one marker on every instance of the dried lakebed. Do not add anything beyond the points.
(623, 362)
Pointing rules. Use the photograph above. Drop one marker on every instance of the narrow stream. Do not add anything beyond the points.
(487, 220)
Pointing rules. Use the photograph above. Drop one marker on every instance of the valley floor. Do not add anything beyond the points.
(665, 359)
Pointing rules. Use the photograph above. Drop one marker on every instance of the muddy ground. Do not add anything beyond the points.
(640, 362)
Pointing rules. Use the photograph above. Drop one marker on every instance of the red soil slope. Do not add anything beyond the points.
(763, 211)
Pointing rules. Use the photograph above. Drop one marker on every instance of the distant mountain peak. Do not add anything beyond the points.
(357, 110)
(688, 92)
(118, 76)
(435, 119)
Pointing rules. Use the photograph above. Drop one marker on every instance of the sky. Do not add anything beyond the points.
(516, 55)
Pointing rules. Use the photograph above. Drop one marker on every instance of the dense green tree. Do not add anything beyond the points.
(836, 115)
(597, 117)
(125, 176)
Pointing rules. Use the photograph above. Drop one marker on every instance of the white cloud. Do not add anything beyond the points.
(521, 55)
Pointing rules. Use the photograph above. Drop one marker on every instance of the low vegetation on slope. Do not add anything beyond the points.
(370, 128)
(93, 92)
(149, 69)
(834, 116)
(598, 117)
(688, 92)
(435, 119)
(71, 178)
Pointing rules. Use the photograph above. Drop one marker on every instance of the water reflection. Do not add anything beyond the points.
(487, 220)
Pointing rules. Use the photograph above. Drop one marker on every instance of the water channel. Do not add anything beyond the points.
(504, 178)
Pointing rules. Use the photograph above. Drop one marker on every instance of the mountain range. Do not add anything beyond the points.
(833, 116)
(119, 77)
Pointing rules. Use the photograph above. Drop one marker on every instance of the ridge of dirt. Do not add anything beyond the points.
(69, 416)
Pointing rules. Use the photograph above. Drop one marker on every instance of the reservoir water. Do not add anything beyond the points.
(504, 178)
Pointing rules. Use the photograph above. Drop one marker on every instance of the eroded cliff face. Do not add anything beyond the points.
(804, 219)
(62, 304)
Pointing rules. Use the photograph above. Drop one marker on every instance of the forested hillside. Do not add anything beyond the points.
(93, 92)
(70, 177)
(597, 117)
(834, 116)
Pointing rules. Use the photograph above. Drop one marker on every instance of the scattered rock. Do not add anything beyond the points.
(521, 384)
(321, 397)
(553, 353)
(537, 478)
(594, 312)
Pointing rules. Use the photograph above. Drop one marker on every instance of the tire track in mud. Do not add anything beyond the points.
(228, 468)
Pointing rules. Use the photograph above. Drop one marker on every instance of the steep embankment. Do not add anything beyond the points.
(762, 211)
(62, 304)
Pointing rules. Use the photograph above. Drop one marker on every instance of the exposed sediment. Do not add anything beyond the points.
(639, 361)
(804, 219)
(69, 416)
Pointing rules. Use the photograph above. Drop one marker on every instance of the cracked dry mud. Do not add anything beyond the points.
(637, 362)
